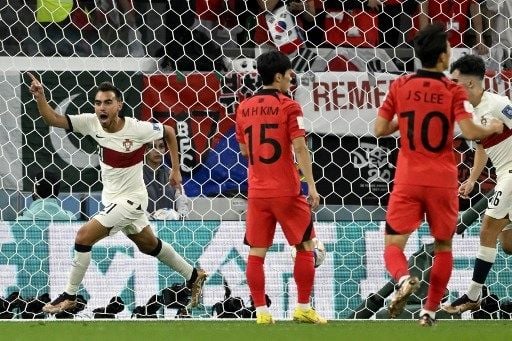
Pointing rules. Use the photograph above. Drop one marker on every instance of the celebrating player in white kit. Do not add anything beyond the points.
(122, 142)
(469, 71)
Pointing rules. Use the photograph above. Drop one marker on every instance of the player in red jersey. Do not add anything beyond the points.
(426, 105)
(270, 129)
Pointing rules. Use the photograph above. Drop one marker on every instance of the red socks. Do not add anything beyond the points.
(396, 263)
(439, 277)
(256, 280)
(304, 275)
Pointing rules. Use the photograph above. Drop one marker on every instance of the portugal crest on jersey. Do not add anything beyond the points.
(127, 143)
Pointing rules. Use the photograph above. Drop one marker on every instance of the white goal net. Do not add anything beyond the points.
(188, 64)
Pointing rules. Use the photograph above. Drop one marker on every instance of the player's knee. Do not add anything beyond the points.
(83, 238)
(82, 248)
(308, 245)
(150, 247)
(90, 234)
(390, 230)
(505, 239)
(507, 249)
(506, 245)
(442, 245)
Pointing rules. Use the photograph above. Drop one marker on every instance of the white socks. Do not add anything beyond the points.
(172, 259)
(486, 257)
(487, 254)
(80, 263)
(474, 291)
(167, 255)
(402, 279)
(432, 314)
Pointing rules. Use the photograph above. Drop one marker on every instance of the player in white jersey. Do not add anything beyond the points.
(122, 142)
(469, 71)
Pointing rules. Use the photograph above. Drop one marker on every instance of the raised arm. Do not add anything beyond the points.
(172, 143)
(49, 115)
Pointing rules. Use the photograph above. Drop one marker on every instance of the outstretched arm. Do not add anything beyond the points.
(172, 143)
(471, 131)
(50, 116)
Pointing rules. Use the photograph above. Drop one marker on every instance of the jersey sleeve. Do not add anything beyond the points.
(295, 121)
(82, 123)
(505, 111)
(387, 109)
(462, 109)
(149, 131)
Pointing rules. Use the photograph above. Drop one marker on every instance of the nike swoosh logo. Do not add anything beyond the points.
(100, 137)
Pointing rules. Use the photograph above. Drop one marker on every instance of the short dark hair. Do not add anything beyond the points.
(107, 86)
(151, 145)
(430, 43)
(470, 65)
(271, 63)
(46, 184)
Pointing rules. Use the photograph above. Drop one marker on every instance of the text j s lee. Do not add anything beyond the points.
(425, 96)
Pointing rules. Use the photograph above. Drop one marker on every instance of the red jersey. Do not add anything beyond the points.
(267, 123)
(427, 105)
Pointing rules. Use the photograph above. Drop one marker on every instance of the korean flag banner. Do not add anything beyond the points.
(283, 29)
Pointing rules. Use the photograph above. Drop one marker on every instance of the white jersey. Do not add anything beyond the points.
(499, 146)
(121, 155)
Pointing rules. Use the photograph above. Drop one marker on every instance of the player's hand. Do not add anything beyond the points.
(313, 198)
(495, 125)
(175, 178)
(466, 188)
(36, 88)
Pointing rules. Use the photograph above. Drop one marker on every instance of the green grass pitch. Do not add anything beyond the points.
(456, 330)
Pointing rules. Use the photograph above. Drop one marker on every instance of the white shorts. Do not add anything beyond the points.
(500, 204)
(123, 215)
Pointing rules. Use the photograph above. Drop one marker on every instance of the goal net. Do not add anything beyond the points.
(188, 64)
